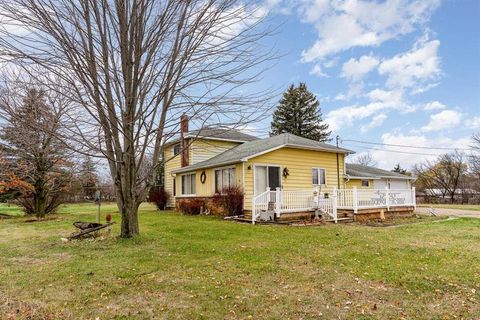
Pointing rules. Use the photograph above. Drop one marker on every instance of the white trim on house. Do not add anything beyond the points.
(221, 168)
(365, 180)
(325, 177)
(372, 178)
(217, 139)
(209, 166)
(293, 146)
(267, 165)
(181, 185)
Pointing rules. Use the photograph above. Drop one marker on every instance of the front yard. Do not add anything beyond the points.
(185, 267)
(472, 207)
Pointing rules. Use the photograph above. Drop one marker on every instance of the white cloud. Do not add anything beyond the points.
(434, 105)
(317, 70)
(413, 69)
(446, 119)
(375, 122)
(381, 102)
(346, 24)
(354, 70)
(346, 116)
(408, 156)
(473, 123)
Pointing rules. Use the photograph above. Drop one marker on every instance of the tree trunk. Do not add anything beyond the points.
(129, 227)
(39, 197)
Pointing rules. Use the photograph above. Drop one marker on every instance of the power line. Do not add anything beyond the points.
(394, 151)
(406, 146)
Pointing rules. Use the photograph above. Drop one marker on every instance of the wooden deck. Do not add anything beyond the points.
(343, 215)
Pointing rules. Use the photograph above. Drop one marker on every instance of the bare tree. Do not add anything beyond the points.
(135, 66)
(475, 155)
(446, 174)
(365, 159)
(35, 158)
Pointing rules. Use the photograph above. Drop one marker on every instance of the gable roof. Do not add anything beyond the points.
(223, 134)
(361, 171)
(255, 148)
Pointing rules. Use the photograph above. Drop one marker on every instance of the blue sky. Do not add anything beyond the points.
(403, 72)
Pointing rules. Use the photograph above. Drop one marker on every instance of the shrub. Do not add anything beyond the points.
(231, 200)
(159, 196)
(191, 206)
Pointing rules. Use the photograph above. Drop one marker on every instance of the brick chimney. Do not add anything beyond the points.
(183, 144)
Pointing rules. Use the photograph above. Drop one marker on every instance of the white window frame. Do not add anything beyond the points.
(266, 165)
(179, 149)
(194, 184)
(215, 177)
(365, 180)
(318, 176)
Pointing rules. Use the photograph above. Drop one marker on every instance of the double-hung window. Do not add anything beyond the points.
(188, 184)
(318, 176)
(176, 149)
(224, 178)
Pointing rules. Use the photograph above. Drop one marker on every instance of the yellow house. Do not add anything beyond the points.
(199, 146)
(285, 161)
(283, 174)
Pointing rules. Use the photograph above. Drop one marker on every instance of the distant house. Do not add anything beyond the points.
(286, 173)
(368, 177)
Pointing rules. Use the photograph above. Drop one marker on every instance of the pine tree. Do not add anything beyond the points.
(299, 113)
(88, 178)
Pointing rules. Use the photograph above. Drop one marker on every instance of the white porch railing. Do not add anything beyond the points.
(289, 201)
(329, 200)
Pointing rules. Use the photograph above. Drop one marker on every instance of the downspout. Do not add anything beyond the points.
(243, 184)
(338, 167)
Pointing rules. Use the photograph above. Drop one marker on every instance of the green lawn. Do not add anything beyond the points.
(472, 207)
(185, 267)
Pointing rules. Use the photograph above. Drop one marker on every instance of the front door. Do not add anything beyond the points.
(266, 176)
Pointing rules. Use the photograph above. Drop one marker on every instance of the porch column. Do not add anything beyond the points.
(387, 198)
(334, 204)
(278, 201)
(414, 199)
(355, 199)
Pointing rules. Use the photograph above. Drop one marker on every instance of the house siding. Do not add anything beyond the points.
(207, 189)
(170, 165)
(203, 149)
(358, 183)
(299, 163)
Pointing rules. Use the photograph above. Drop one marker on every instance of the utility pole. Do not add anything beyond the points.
(98, 200)
(338, 165)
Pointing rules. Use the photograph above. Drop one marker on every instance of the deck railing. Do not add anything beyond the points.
(329, 200)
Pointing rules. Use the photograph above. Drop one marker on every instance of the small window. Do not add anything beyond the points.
(176, 149)
(224, 178)
(366, 183)
(318, 176)
(174, 187)
(188, 184)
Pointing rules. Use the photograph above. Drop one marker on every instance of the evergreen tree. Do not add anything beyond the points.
(88, 178)
(299, 113)
(399, 169)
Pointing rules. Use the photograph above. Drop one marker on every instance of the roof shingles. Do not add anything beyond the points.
(255, 147)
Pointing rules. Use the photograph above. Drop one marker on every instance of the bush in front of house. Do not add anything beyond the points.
(231, 201)
(191, 206)
(159, 196)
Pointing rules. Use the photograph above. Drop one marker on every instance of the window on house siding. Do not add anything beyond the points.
(224, 178)
(188, 184)
(176, 149)
(318, 176)
(174, 187)
(366, 183)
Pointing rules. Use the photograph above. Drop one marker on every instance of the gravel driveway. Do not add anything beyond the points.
(450, 212)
